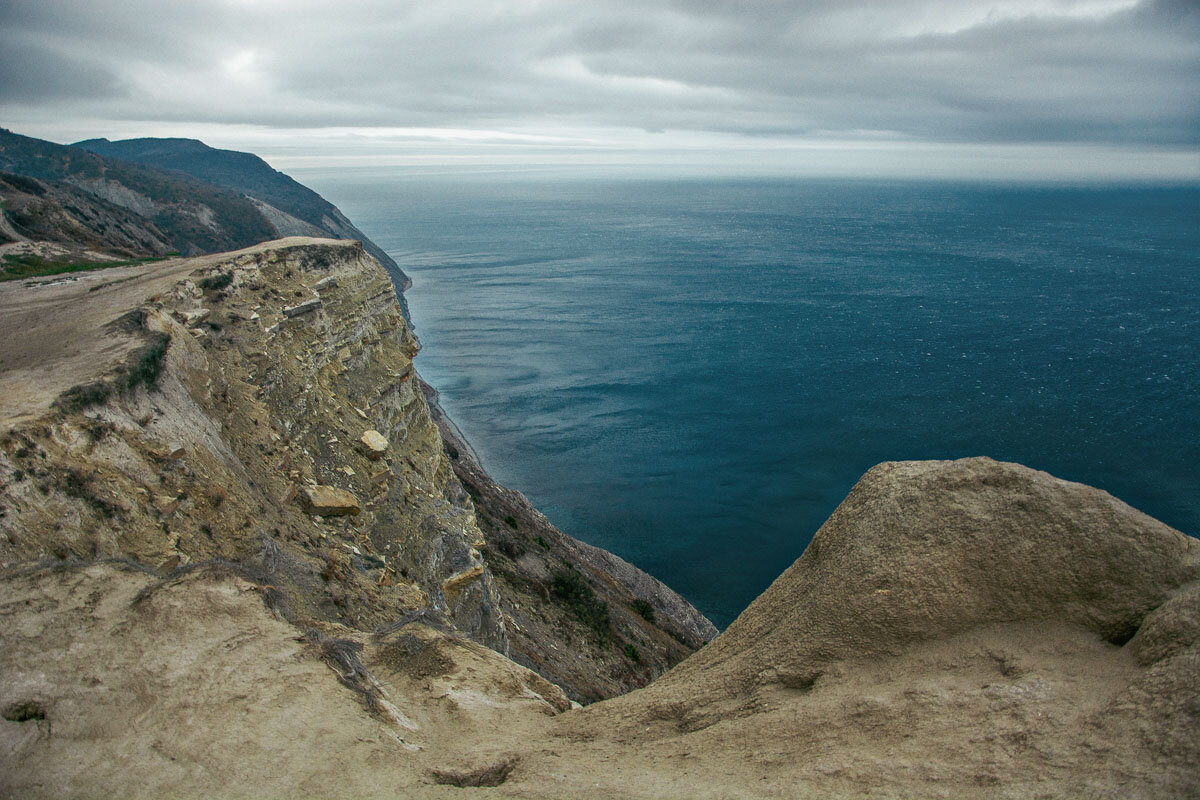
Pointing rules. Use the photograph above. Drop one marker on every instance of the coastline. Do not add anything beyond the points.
(433, 398)
(627, 625)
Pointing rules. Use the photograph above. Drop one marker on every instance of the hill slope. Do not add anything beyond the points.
(293, 208)
(192, 216)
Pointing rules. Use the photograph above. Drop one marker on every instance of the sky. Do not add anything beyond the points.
(1057, 89)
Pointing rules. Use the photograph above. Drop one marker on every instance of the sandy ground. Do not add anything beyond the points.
(190, 688)
(52, 328)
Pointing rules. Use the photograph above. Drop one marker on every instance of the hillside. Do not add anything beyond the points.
(59, 213)
(151, 197)
(294, 209)
(193, 217)
(238, 559)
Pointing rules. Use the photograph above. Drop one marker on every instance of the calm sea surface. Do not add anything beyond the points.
(693, 373)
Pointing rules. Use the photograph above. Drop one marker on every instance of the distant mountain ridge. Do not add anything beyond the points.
(75, 188)
(294, 209)
(150, 197)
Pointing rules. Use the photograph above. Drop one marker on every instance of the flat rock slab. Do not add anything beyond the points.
(194, 318)
(329, 501)
(302, 308)
(373, 444)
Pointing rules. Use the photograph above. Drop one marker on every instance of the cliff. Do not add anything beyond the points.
(285, 435)
(580, 616)
(238, 559)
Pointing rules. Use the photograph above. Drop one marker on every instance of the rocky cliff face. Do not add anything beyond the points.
(279, 360)
(285, 435)
(589, 621)
(955, 628)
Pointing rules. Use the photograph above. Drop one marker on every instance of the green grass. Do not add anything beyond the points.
(15, 267)
(142, 367)
(144, 371)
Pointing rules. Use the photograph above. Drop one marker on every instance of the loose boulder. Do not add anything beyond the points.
(373, 444)
(329, 501)
(302, 308)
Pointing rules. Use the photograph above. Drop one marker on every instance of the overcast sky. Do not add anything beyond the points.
(1022, 88)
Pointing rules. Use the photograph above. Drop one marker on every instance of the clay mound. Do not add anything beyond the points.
(955, 629)
(926, 550)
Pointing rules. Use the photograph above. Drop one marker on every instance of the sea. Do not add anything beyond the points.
(692, 372)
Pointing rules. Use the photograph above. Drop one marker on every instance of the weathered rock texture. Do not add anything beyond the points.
(292, 444)
(571, 609)
(114, 683)
(927, 550)
(955, 628)
(1001, 667)
(267, 409)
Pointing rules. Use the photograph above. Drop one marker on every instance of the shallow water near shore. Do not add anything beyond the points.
(692, 373)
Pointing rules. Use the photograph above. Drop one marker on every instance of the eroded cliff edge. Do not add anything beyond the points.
(282, 432)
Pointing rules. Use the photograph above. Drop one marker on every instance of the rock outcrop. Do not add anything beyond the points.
(293, 444)
(927, 550)
(956, 628)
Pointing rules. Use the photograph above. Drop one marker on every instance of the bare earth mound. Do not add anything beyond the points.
(965, 628)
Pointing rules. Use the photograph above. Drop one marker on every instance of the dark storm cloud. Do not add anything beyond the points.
(1037, 71)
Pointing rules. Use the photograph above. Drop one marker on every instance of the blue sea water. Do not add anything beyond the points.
(692, 373)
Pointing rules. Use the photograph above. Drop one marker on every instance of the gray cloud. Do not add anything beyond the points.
(36, 72)
(1009, 71)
